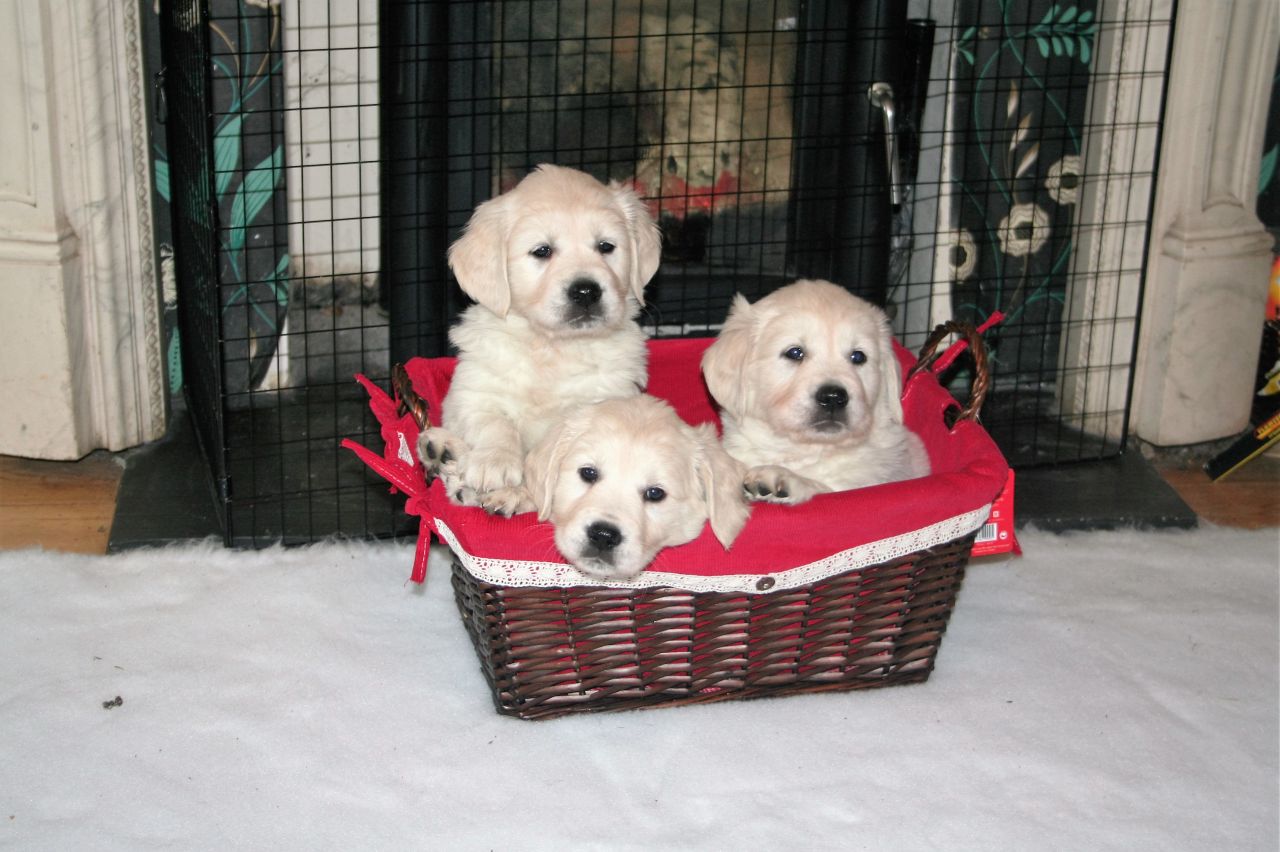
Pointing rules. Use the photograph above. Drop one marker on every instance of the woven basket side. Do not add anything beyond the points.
(547, 652)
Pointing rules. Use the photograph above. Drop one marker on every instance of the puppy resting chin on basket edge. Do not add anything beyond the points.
(810, 391)
(558, 267)
(624, 478)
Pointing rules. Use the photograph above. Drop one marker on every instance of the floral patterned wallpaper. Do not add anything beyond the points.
(1022, 78)
(248, 154)
(248, 162)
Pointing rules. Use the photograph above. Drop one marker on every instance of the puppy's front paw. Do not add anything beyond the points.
(457, 491)
(492, 469)
(439, 452)
(507, 501)
(771, 483)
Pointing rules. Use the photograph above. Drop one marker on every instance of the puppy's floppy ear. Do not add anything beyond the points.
(542, 467)
(720, 476)
(479, 257)
(722, 363)
(888, 406)
(646, 239)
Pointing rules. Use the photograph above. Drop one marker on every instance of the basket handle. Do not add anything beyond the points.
(410, 402)
(982, 369)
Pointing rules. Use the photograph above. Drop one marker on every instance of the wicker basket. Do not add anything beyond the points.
(701, 625)
(551, 651)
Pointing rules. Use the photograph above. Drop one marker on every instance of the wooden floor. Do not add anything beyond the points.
(69, 505)
(1248, 498)
(58, 505)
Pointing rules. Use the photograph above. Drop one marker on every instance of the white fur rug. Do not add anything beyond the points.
(1105, 691)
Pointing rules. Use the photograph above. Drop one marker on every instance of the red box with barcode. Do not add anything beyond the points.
(997, 535)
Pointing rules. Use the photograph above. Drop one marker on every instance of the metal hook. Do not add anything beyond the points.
(881, 97)
(161, 100)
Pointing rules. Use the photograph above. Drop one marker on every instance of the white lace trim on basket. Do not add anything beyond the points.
(513, 572)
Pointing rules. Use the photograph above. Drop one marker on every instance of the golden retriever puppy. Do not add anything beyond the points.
(810, 392)
(624, 478)
(557, 267)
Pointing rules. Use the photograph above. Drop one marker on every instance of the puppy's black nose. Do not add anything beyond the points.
(604, 535)
(832, 397)
(584, 292)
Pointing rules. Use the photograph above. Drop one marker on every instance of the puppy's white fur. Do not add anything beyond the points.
(769, 366)
(528, 353)
(636, 473)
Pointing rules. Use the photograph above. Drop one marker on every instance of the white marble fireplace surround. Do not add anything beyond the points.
(80, 351)
(80, 348)
(1202, 308)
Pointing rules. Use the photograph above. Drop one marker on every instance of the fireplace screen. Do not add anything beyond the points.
(943, 159)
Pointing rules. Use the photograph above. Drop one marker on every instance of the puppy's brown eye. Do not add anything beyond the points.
(858, 356)
(542, 252)
(606, 247)
(654, 494)
(588, 473)
(795, 353)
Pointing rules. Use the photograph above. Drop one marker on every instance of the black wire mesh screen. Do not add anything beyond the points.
(184, 109)
(273, 176)
(340, 147)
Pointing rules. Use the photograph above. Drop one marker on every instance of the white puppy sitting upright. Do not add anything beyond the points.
(558, 267)
(810, 390)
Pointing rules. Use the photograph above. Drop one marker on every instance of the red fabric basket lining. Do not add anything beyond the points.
(968, 473)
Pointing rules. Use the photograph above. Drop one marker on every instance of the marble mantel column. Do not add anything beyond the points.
(80, 350)
(1202, 312)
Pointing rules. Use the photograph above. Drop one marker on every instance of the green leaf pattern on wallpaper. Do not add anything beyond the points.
(174, 358)
(257, 188)
(1068, 31)
(1268, 169)
(254, 192)
(248, 178)
(226, 152)
(162, 176)
(1019, 166)
(258, 185)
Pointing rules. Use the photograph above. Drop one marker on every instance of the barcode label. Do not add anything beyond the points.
(996, 535)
